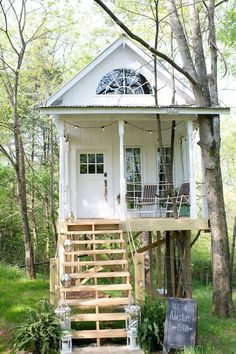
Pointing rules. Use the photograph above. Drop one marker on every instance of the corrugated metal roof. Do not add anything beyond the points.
(136, 107)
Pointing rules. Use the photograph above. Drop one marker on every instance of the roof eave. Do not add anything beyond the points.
(136, 110)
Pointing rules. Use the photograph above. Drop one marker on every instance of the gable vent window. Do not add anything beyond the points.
(123, 81)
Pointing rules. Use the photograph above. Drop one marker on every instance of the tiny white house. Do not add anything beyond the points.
(113, 175)
(106, 119)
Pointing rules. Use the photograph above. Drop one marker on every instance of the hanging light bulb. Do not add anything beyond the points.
(150, 131)
(103, 128)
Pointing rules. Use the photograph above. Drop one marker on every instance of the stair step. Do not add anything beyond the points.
(95, 263)
(97, 287)
(95, 252)
(103, 302)
(99, 317)
(100, 275)
(102, 333)
(95, 232)
(97, 242)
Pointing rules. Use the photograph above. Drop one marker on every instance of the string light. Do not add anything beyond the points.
(102, 127)
(153, 130)
(95, 127)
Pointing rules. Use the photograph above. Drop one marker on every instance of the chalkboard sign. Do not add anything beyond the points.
(180, 324)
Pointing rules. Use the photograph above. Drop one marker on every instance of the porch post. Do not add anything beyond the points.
(193, 199)
(67, 176)
(62, 215)
(122, 171)
(62, 171)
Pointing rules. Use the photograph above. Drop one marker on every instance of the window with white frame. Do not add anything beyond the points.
(133, 174)
(160, 170)
(123, 81)
(91, 163)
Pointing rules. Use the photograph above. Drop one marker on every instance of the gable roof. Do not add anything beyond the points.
(122, 41)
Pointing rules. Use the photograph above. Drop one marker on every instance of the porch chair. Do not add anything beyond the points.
(182, 198)
(148, 198)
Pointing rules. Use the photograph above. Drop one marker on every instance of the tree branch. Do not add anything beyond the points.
(198, 51)
(181, 40)
(7, 155)
(221, 2)
(6, 29)
(136, 13)
(145, 44)
(195, 239)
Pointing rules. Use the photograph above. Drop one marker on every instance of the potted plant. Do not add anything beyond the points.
(151, 324)
(40, 333)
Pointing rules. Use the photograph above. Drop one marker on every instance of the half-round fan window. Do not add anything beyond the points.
(123, 81)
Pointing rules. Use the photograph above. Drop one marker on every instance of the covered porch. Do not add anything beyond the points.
(108, 155)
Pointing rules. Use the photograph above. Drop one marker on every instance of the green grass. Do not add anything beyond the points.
(17, 293)
(216, 335)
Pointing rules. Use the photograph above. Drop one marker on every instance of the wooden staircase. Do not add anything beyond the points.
(100, 281)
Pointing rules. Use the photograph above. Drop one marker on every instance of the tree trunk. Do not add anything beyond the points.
(54, 227)
(20, 172)
(232, 253)
(210, 145)
(32, 207)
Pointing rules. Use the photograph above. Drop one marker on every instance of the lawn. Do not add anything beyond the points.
(16, 294)
(216, 335)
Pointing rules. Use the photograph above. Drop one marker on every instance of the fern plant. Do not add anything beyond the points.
(40, 333)
(151, 324)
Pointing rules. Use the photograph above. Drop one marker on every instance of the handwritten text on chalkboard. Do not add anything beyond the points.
(180, 324)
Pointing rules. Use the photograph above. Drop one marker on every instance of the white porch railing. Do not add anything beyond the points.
(155, 201)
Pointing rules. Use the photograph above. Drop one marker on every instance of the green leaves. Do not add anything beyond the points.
(40, 332)
(151, 325)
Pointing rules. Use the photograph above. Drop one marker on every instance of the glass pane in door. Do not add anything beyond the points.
(133, 174)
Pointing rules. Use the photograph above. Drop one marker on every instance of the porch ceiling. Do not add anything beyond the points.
(164, 110)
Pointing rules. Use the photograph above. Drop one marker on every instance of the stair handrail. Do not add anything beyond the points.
(133, 249)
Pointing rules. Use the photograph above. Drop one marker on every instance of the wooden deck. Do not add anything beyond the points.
(164, 224)
(139, 224)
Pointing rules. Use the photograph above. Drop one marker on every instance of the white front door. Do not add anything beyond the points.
(93, 185)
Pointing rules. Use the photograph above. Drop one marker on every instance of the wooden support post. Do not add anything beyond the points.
(54, 281)
(170, 267)
(184, 288)
(172, 263)
(159, 263)
(187, 264)
(139, 277)
(151, 287)
(60, 253)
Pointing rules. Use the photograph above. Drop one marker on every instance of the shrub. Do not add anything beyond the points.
(9, 272)
(40, 333)
(151, 325)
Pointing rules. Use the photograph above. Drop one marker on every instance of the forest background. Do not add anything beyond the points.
(62, 37)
